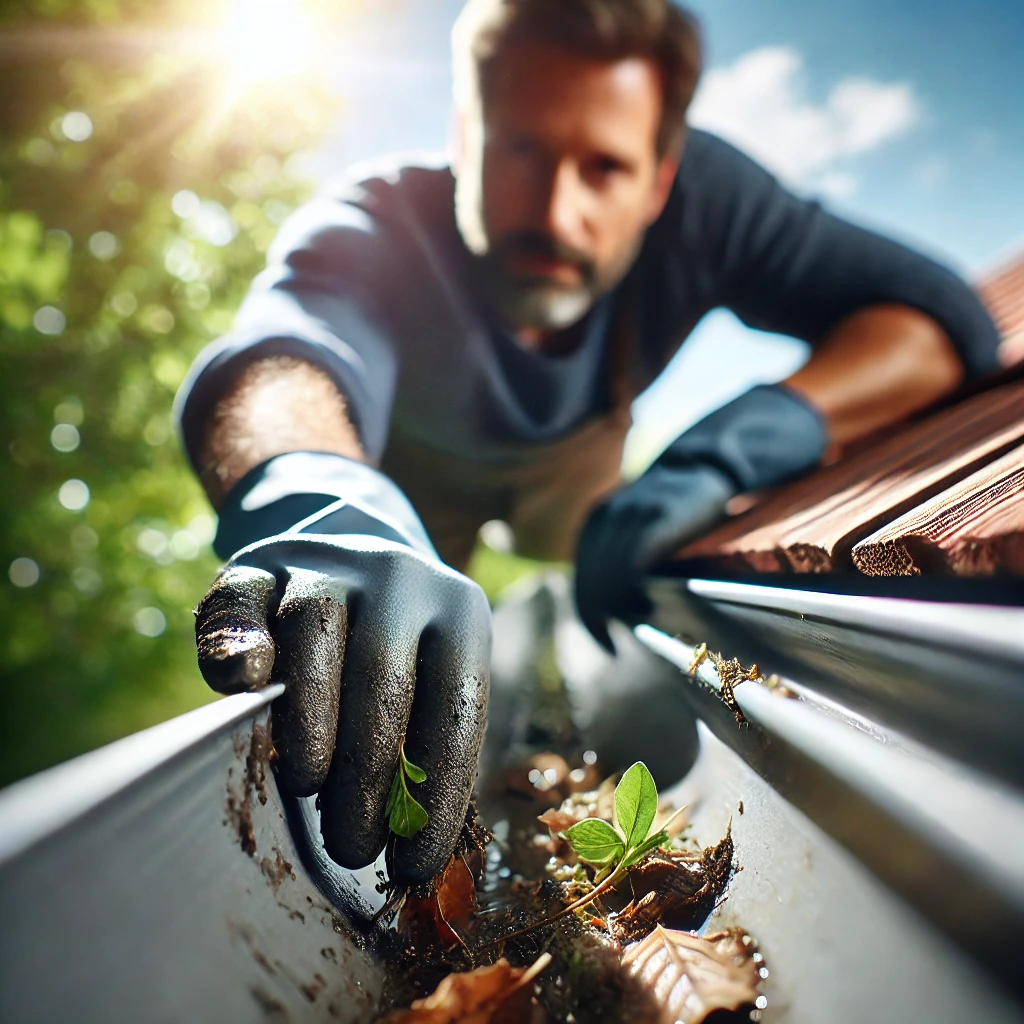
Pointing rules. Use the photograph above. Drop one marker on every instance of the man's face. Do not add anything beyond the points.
(559, 179)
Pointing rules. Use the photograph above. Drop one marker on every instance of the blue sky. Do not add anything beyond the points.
(905, 115)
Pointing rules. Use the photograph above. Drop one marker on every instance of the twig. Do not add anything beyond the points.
(609, 883)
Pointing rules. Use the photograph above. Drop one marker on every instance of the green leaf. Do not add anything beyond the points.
(636, 803)
(408, 819)
(395, 795)
(650, 843)
(415, 773)
(595, 841)
(406, 816)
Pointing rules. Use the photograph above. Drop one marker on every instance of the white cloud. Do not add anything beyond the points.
(838, 184)
(760, 104)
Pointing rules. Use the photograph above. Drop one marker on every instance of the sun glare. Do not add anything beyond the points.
(267, 39)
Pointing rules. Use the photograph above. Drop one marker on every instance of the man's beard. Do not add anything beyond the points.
(524, 300)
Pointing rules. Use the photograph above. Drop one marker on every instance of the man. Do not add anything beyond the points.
(479, 333)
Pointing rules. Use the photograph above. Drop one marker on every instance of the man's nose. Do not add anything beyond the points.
(564, 210)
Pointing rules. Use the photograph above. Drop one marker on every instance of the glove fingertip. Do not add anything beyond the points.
(416, 863)
(236, 660)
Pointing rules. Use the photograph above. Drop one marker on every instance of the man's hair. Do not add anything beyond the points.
(655, 30)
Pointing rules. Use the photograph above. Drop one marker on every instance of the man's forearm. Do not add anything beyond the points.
(875, 368)
(276, 406)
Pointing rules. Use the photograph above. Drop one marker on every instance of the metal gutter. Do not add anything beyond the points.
(950, 675)
(986, 630)
(838, 945)
(45, 803)
(932, 809)
(165, 878)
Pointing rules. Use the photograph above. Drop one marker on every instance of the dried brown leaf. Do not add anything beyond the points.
(557, 821)
(675, 889)
(691, 976)
(499, 994)
(556, 846)
(427, 921)
(456, 893)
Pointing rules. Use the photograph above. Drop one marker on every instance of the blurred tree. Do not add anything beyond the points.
(141, 179)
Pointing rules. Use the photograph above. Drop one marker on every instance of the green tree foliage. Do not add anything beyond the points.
(139, 188)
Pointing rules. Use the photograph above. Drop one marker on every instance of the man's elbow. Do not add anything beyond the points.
(933, 364)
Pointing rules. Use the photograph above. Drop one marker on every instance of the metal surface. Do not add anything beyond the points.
(158, 879)
(951, 675)
(838, 946)
(943, 836)
(164, 878)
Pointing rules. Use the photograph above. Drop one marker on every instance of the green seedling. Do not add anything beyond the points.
(405, 815)
(613, 851)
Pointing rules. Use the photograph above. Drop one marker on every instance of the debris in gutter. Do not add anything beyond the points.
(675, 888)
(256, 756)
(430, 918)
(498, 994)
(586, 937)
(730, 674)
(695, 976)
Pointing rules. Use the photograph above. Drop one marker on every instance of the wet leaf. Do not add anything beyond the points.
(674, 889)
(429, 921)
(456, 893)
(499, 994)
(636, 803)
(595, 841)
(693, 976)
(406, 816)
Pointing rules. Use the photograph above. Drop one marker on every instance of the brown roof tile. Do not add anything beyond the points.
(1003, 292)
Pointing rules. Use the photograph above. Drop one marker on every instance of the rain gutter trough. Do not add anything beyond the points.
(875, 790)
(875, 800)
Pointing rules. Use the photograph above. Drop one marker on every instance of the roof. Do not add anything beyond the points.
(1003, 292)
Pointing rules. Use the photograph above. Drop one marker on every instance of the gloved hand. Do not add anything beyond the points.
(337, 592)
(760, 439)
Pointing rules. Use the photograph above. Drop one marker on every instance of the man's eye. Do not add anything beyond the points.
(606, 166)
(521, 147)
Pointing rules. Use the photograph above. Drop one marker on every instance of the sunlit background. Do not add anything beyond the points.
(148, 153)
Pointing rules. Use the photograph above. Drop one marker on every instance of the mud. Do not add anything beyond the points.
(254, 757)
(677, 891)
(276, 870)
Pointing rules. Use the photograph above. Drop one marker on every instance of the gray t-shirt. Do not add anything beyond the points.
(372, 284)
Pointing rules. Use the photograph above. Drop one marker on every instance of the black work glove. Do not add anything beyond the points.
(760, 439)
(337, 592)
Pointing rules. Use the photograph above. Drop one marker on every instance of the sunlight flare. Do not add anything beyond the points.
(267, 39)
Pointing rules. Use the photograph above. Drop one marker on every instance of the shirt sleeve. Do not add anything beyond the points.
(313, 302)
(783, 264)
